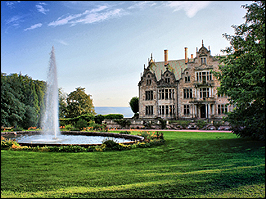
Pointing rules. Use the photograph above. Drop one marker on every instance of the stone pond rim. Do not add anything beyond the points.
(134, 138)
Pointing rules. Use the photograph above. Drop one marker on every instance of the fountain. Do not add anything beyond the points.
(50, 134)
(50, 120)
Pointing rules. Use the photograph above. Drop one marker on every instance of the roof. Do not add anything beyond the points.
(175, 66)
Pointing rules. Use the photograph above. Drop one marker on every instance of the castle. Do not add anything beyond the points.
(179, 89)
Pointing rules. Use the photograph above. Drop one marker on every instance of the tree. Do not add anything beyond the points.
(242, 76)
(21, 100)
(134, 104)
(12, 109)
(79, 103)
(62, 97)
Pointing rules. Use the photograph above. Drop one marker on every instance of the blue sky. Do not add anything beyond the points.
(102, 46)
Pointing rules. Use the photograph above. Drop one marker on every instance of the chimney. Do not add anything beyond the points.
(186, 58)
(165, 57)
(191, 56)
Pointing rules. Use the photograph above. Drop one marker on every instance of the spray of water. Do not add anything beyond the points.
(50, 120)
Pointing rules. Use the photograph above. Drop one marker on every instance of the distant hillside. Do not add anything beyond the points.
(126, 111)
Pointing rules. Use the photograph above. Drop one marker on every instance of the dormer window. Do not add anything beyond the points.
(203, 60)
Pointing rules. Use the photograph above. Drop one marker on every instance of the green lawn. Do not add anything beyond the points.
(189, 164)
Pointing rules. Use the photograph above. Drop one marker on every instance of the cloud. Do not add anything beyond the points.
(89, 16)
(95, 17)
(141, 4)
(41, 9)
(14, 19)
(62, 21)
(14, 22)
(11, 4)
(38, 25)
(190, 7)
(100, 8)
(61, 42)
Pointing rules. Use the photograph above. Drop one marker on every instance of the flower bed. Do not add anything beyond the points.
(150, 139)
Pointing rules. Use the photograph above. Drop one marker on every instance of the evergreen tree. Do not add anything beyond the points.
(134, 104)
(242, 76)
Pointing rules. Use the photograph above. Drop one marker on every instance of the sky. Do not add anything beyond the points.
(102, 46)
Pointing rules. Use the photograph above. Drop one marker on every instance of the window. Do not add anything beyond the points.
(167, 79)
(222, 108)
(209, 76)
(186, 109)
(149, 110)
(172, 110)
(149, 95)
(187, 79)
(167, 110)
(161, 110)
(203, 60)
(166, 94)
(171, 93)
(204, 76)
(199, 76)
(148, 80)
(204, 92)
(159, 94)
(187, 93)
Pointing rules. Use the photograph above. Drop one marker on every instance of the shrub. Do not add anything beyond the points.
(80, 124)
(148, 136)
(216, 124)
(201, 123)
(113, 116)
(72, 148)
(163, 123)
(98, 119)
(124, 132)
(110, 143)
(97, 127)
(69, 127)
(6, 143)
(18, 129)
(123, 122)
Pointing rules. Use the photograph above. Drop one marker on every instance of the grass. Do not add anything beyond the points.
(189, 164)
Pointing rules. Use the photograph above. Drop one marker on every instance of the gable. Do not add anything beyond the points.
(175, 66)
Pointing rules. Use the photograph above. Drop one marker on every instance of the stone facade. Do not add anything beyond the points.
(183, 88)
(158, 98)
